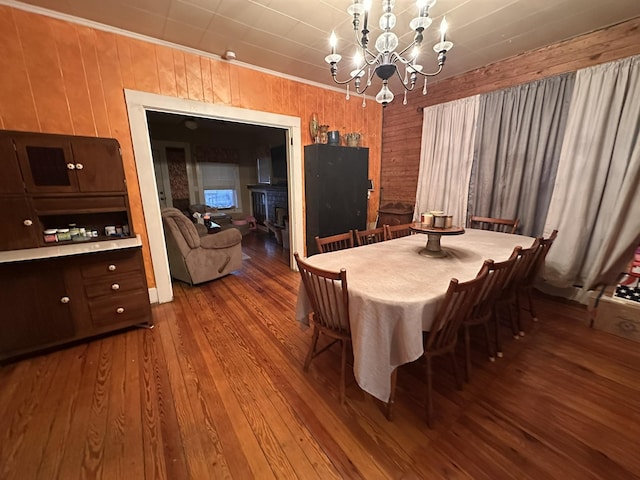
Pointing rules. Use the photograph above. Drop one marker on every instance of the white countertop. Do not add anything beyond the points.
(68, 249)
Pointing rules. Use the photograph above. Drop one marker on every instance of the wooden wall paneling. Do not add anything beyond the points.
(221, 79)
(194, 77)
(74, 78)
(87, 39)
(166, 71)
(182, 89)
(254, 89)
(91, 68)
(43, 68)
(401, 142)
(310, 105)
(112, 86)
(144, 66)
(234, 86)
(276, 94)
(126, 66)
(18, 110)
(207, 82)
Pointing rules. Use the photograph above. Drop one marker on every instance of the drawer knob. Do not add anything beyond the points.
(65, 300)
(115, 286)
(28, 222)
(79, 166)
(71, 166)
(119, 310)
(112, 268)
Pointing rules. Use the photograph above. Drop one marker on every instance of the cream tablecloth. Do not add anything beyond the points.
(394, 293)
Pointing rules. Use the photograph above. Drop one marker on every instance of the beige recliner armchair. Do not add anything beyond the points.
(195, 259)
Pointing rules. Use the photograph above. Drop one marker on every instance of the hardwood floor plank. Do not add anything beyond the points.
(241, 449)
(72, 464)
(122, 452)
(217, 390)
(164, 456)
(296, 447)
(30, 421)
(62, 412)
(197, 428)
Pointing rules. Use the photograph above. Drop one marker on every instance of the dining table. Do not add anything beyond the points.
(394, 294)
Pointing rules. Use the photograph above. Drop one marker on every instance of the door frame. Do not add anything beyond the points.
(138, 103)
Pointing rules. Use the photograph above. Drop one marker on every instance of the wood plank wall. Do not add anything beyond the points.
(70, 79)
(402, 125)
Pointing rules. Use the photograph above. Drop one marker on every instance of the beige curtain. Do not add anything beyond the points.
(446, 154)
(596, 199)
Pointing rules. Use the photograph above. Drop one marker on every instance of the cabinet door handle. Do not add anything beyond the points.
(71, 166)
(112, 268)
(119, 310)
(65, 300)
(115, 286)
(79, 166)
(28, 222)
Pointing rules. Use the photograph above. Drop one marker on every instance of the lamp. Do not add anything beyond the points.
(387, 62)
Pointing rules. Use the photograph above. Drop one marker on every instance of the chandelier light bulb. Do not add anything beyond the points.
(333, 42)
(443, 29)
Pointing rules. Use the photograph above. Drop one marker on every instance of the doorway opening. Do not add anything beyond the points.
(138, 104)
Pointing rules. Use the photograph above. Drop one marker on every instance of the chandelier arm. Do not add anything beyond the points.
(401, 53)
(408, 89)
(351, 79)
(364, 49)
(431, 74)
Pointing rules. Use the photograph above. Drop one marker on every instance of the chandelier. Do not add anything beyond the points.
(387, 62)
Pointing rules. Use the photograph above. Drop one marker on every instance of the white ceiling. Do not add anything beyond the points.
(291, 36)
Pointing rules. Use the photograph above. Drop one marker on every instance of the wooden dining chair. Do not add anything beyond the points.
(510, 298)
(373, 235)
(536, 269)
(329, 299)
(335, 242)
(483, 313)
(397, 231)
(504, 225)
(441, 339)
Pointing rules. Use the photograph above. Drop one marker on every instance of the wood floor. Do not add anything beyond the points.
(216, 390)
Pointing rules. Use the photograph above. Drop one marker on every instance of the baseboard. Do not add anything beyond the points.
(153, 295)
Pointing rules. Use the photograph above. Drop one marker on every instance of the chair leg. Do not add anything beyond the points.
(496, 322)
(515, 330)
(392, 395)
(518, 316)
(429, 400)
(531, 308)
(487, 336)
(454, 367)
(467, 353)
(312, 348)
(343, 381)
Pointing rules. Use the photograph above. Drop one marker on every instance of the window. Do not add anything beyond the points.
(221, 185)
(223, 198)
